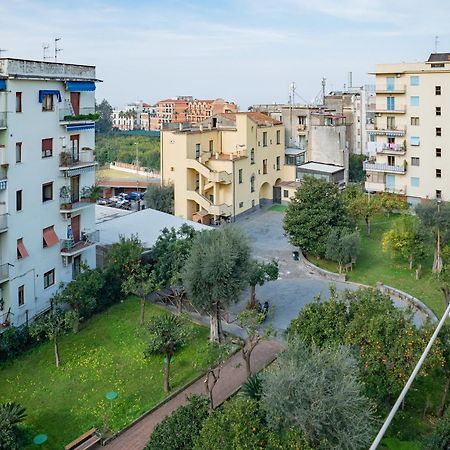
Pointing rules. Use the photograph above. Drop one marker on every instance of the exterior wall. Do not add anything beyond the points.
(392, 169)
(29, 127)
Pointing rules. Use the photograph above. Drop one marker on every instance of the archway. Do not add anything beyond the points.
(265, 194)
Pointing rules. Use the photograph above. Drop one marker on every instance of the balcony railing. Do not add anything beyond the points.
(392, 148)
(377, 167)
(84, 115)
(3, 222)
(4, 272)
(396, 89)
(397, 109)
(2, 120)
(69, 159)
(88, 238)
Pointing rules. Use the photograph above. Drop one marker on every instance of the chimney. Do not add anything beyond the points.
(350, 81)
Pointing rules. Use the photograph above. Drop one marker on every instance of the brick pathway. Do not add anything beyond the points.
(232, 376)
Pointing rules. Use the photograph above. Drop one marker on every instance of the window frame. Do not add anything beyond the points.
(438, 152)
(21, 295)
(415, 159)
(48, 103)
(264, 139)
(438, 131)
(44, 186)
(19, 107)
(47, 150)
(414, 100)
(438, 111)
(240, 176)
(19, 200)
(438, 173)
(18, 152)
(437, 90)
(49, 276)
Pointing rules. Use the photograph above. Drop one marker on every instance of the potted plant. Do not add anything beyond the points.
(91, 193)
(65, 197)
(65, 159)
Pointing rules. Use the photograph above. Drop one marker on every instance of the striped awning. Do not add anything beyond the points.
(79, 170)
(2, 85)
(3, 184)
(84, 126)
(390, 133)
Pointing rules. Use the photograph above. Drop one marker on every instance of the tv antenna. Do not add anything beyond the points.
(292, 88)
(45, 48)
(436, 43)
(2, 50)
(57, 49)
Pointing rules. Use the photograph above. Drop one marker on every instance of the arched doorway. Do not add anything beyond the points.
(265, 194)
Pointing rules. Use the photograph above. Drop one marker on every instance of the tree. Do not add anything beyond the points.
(160, 198)
(251, 321)
(356, 172)
(141, 282)
(81, 294)
(52, 325)
(179, 430)
(11, 415)
(104, 124)
(315, 209)
(168, 333)
(407, 240)
(440, 436)
(216, 272)
(319, 392)
(392, 203)
(258, 273)
(342, 246)
(170, 253)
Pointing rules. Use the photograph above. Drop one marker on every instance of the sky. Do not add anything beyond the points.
(247, 51)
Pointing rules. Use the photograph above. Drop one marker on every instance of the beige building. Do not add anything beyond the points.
(409, 148)
(229, 164)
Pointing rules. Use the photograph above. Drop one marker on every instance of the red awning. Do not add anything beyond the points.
(21, 248)
(50, 237)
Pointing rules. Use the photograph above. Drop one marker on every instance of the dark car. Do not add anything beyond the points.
(135, 196)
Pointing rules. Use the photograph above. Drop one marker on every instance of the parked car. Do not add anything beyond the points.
(135, 196)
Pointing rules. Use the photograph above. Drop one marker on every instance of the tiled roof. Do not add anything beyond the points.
(258, 117)
(439, 57)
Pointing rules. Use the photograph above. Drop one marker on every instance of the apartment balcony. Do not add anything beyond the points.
(4, 272)
(381, 187)
(377, 167)
(84, 116)
(301, 127)
(3, 223)
(383, 89)
(68, 205)
(75, 164)
(386, 131)
(212, 208)
(88, 239)
(398, 109)
(392, 149)
(3, 122)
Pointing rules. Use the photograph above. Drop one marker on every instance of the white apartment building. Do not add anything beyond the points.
(409, 152)
(47, 224)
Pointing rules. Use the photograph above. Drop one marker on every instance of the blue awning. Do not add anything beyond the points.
(79, 86)
(2, 85)
(49, 92)
(84, 126)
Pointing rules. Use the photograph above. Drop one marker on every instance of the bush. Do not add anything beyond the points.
(178, 431)
(440, 438)
(14, 341)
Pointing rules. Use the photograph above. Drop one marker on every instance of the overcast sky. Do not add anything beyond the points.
(248, 51)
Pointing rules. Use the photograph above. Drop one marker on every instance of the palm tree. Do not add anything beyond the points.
(11, 414)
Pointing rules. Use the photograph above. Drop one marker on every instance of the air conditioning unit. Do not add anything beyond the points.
(297, 180)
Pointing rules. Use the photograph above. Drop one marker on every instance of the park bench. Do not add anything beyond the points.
(86, 440)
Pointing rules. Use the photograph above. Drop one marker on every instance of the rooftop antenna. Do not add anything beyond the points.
(324, 83)
(45, 48)
(2, 50)
(57, 50)
(436, 42)
(292, 88)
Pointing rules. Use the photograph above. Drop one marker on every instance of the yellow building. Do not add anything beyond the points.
(227, 165)
(410, 143)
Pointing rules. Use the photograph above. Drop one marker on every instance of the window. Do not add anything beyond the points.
(390, 103)
(49, 237)
(285, 193)
(240, 176)
(438, 153)
(278, 137)
(437, 90)
(18, 102)
(264, 168)
(415, 121)
(415, 181)
(19, 200)
(438, 110)
(21, 295)
(264, 138)
(277, 163)
(438, 173)
(415, 161)
(49, 278)
(390, 120)
(438, 194)
(197, 151)
(252, 183)
(302, 120)
(289, 160)
(211, 146)
(438, 131)
(21, 250)
(241, 204)
(390, 83)
(18, 152)
(437, 65)
(252, 156)
(47, 102)
(414, 140)
(47, 192)
(391, 160)
(47, 147)
(414, 80)
(414, 100)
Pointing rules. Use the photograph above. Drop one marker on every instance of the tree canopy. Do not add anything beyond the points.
(160, 198)
(104, 123)
(314, 211)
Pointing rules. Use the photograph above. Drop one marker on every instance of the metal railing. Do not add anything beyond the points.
(68, 115)
(4, 272)
(3, 221)
(384, 88)
(69, 159)
(392, 148)
(383, 167)
(3, 121)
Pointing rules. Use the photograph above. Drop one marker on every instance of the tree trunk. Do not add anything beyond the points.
(215, 334)
(252, 303)
(76, 323)
(367, 219)
(167, 374)
(56, 349)
(179, 303)
(441, 409)
(410, 262)
(340, 267)
(142, 310)
(437, 262)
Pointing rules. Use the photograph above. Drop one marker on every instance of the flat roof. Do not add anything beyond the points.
(320, 167)
(293, 151)
(147, 224)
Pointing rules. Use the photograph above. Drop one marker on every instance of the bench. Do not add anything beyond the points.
(86, 440)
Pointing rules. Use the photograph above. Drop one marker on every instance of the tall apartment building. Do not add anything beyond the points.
(312, 134)
(187, 109)
(410, 148)
(227, 165)
(47, 225)
(135, 116)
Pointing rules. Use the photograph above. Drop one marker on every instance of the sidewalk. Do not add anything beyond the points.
(232, 376)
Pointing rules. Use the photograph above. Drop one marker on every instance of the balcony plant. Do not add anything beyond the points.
(65, 195)
(91, 193)
(65, 159)
(93, 116)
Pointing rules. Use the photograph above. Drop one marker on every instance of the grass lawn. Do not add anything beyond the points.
(375, 265)
(106, 355)
(113, 174)
(278, 207)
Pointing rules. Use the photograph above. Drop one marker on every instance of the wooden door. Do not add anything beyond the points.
(75, 101)
(75, 223)
(75, 188)
(277, 194)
